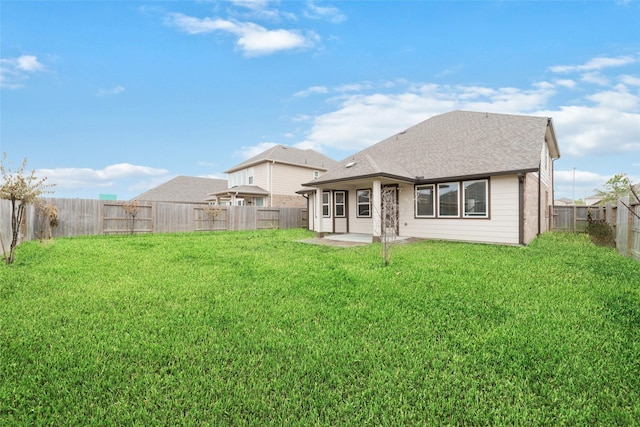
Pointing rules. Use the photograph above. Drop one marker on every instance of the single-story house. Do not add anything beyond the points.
(272, 178)
(462, 175)
(183, 189)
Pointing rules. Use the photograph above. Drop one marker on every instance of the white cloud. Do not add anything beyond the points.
(29, 63)
(246, 152)
(15, 71)
(67, 179)
(251, 4)
(581, 177)
(595, 78)
(568, 83)
(311, 91)
(361, 120)
(329, 13)
(585, 131)
(630, 80)
(112, 91)
(595, 64)
(252, 39)
(616, 99)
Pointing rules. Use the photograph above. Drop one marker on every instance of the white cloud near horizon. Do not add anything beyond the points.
(73, 179)
(252, 39)
(595, 64)
(14, 71)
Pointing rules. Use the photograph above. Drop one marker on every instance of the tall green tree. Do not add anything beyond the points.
(21, 190)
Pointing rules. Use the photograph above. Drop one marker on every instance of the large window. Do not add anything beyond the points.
(339, 202)
(425, 201)
(326, 207)
(476, 196)
(448, 202)
(364, 203)
(444, 200)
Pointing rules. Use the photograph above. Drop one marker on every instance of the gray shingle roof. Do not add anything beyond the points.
(242, 189)
(454, 144)
(295, 156)
(184, 189)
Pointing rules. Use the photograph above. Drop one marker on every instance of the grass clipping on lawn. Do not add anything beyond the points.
(255, 328)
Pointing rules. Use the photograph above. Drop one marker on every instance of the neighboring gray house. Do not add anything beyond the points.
(183, 189)
(272, 178)
(462, 175)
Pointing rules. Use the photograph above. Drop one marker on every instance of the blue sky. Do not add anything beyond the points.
(117, 97)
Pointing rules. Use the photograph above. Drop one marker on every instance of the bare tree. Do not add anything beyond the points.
(132, 209)
(48, 213)
(21, 190)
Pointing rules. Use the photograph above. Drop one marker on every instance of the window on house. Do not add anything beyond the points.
(250, 176)
(240, 202)
(364, 203)
(476, 197)
(448, 202)
(326, 208)
(339, 202)
(259, 201)
(425, 201)
(316, 174)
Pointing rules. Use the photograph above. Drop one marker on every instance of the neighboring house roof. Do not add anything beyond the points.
(183, 189)
(452, 145)
(293, 156)
(253, 190)
(563, 202)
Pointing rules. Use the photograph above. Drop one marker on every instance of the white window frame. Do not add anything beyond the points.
(250, 176)
(326, 204)
(342, 204)
(457, 199)
(358, 203)
(316, 174)
(432, 187)
(465, 184)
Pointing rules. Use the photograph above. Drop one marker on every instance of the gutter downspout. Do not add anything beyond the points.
(271, 183)
(521, 178)
(539, 196)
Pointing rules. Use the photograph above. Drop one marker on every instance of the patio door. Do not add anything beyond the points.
(390, 210)
(340, 221)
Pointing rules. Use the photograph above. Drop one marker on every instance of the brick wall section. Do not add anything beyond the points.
(531, 215)
(289, 201)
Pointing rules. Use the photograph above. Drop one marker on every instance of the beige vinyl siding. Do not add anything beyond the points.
(356, 224)
(502, 227)
(261, 175)
(287, 179)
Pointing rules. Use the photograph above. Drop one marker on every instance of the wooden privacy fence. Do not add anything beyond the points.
(623, 216)
(77, 217)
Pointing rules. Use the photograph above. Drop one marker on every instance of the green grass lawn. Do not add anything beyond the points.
(255, 328)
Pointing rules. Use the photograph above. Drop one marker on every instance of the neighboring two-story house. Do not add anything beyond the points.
(272, 178)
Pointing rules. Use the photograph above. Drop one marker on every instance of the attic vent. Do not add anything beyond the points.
(350, 164)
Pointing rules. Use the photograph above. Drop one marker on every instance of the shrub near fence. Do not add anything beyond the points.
(77, 217)
(624, 217)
